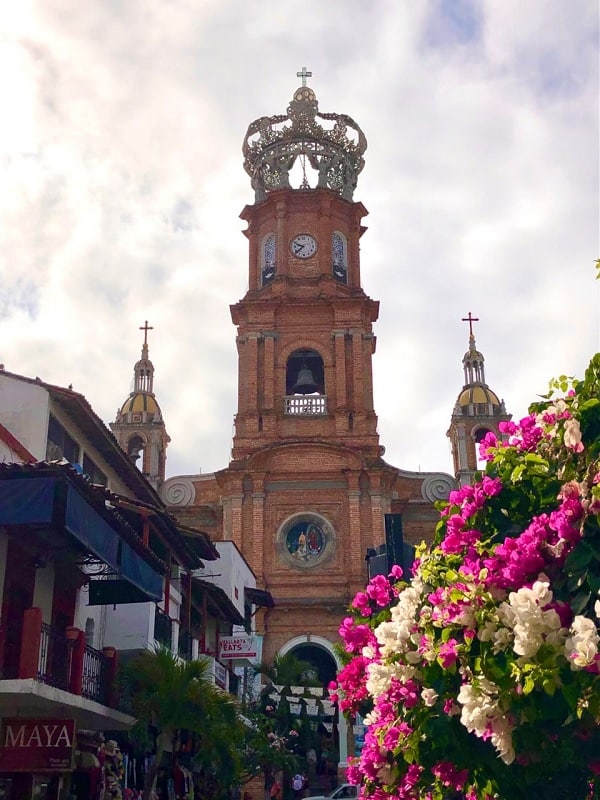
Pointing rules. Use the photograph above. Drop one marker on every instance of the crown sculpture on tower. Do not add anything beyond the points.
(331, 144)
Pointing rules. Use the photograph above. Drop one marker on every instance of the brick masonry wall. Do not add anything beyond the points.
(328, 467)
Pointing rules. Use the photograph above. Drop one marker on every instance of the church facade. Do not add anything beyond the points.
(307, 489)
(307, 495)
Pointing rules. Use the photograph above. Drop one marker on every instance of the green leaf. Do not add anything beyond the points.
(580, 602)
(517, 473)
(579, 558)
(593, 582)
(533, 458)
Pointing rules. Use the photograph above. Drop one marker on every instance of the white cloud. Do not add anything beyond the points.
(122, 182)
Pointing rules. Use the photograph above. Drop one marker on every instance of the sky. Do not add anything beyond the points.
(121, 185)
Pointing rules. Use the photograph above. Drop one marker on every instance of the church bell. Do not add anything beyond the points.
(305, 383)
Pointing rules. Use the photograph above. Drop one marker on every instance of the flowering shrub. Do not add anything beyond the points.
(480, 677)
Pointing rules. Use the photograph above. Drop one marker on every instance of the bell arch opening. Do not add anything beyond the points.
(135, 448)
(304, 373)
(305, 384)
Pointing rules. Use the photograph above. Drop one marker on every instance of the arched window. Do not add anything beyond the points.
(478, 437)
(339, 257)
(268, 260)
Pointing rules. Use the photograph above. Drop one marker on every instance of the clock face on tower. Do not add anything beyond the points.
(303, 245)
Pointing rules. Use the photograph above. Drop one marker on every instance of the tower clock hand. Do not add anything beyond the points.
(303, 246)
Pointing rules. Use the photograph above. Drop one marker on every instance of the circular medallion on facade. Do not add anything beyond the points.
(305, 540)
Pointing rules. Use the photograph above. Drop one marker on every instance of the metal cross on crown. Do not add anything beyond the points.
(304, 74)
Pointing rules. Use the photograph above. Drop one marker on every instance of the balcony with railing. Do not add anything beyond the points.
(60, 659)
(95, 683)
(55, 657)
(306, 405)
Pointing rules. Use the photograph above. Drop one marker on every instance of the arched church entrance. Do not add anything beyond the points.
(330, 743)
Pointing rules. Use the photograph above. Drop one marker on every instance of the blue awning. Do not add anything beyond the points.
(115, 592)
(135, 570)
(57, 503)
(27, 501)
(88, 527)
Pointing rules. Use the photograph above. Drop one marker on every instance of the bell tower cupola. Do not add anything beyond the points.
(305, 338)
(477, 412)
(139, 426)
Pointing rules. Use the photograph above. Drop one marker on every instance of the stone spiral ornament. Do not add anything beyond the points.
(437, 486)
(178, 492)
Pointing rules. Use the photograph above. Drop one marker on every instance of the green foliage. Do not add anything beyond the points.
(497, 634)
(170, 694)
(265, 749)
(287, 670)
(288, 736)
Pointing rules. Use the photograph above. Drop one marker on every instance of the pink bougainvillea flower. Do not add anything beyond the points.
(379, 590)
(448, 653)
(500, 616)
(449, 775)
(362, 604)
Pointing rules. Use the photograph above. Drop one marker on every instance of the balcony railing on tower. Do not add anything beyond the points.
(306, 405)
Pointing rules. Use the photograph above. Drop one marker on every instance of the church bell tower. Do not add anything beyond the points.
(139, 426)
(305, 337)
(306, 493)
(477, 411)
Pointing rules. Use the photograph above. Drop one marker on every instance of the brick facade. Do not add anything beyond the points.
(326, 468)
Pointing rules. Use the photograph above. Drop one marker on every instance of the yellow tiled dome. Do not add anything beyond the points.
(139, 402)
(477, 394)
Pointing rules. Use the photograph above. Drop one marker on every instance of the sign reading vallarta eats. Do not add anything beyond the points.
(29, 745)
(240, 646)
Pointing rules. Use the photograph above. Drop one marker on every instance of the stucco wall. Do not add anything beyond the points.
(24, 409)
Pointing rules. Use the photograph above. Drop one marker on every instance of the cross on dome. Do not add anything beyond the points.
(145, 327)
(470, 319)
(304, 74)
(143, 371)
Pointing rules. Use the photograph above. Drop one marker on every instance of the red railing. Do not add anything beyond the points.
(65, 661)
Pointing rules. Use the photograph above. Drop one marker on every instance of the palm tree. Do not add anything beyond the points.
(287, 670)
(299, 733)
(171, 694)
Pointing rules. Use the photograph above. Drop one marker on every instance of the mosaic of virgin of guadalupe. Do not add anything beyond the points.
(305, 541)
